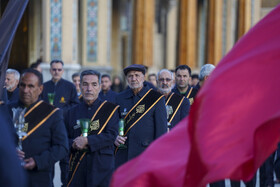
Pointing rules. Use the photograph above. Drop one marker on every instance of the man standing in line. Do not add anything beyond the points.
(76, 81)
(65, 94)
(177, 106)
(144, 114)
(11, 84)
(92, 155)
(106, 93)
(183, 74)
(46, 140)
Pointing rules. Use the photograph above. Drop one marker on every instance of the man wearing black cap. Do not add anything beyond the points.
(144, 114)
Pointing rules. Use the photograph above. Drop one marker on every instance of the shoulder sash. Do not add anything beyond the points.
(98, 122)
(175, 100)
(36, 116)
(140, 109)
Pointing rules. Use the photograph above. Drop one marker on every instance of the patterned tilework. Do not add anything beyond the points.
(92, 23)
(56, 28)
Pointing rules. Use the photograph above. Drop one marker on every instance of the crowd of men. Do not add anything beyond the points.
(77, 123)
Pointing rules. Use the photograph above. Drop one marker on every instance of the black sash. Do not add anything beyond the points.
(98, 122)
(138, 111)
(36, 116)
(175, 101)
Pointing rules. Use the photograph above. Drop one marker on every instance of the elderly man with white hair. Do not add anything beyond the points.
(177, 106)
(205, 71)
(11, 84)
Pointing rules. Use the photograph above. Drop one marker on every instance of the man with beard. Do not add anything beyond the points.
(182, 87)
(177, 106)
(144, 114)
(11, 84)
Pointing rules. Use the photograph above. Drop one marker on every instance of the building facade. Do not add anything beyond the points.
(108, 35)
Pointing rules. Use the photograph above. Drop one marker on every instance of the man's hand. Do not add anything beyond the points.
(20, 154)
(80, 143)
(120, 140)
(29, 163)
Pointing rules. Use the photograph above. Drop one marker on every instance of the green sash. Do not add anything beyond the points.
(175, 101)
(98, 122)
(36, 116)
(140, 109)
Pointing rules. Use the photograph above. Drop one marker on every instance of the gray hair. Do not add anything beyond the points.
(206, 70)
(15, 72)
(165, 70)
(90, 72)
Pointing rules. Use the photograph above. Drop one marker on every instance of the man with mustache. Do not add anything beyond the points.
(144, 114)
(177, 106)
(92, 154)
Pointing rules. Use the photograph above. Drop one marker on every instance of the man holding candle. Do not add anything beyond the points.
(92, 154)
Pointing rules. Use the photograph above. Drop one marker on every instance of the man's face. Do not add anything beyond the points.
(105, 84)
(56, 71)
(165, 82)
(10, 82)
(29, 89)
(135, 79)
(76, 81)
(182, 78)
(90, 88)
(153, 80)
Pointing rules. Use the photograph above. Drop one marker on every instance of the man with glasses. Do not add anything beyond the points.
(62, 94)
(177, 106)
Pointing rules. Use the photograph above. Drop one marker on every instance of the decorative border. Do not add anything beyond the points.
(56, 28)
(92, 24)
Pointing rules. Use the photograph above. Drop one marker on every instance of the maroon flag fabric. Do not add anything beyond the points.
(233, 125)
(8, 26)
(155, 166)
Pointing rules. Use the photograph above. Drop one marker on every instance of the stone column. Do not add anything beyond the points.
(60, 35)
(187, 53)
(215, 16)
(172, 24)
(143, 30)
(244, 22)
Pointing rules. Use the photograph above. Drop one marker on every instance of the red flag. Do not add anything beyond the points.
(233, 125)
(149, 169)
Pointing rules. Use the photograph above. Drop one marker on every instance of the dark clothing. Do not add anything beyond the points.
(117, 88)
(65, 93)
(266, 172)
(11, 173)
(4, 97)
(97, 166)
(277, 164)
(13, 96)
(218, 184)
(182, 112)
(46, 145)
(190, 93)
(109, 96)
(146, 130)
(251, 183)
